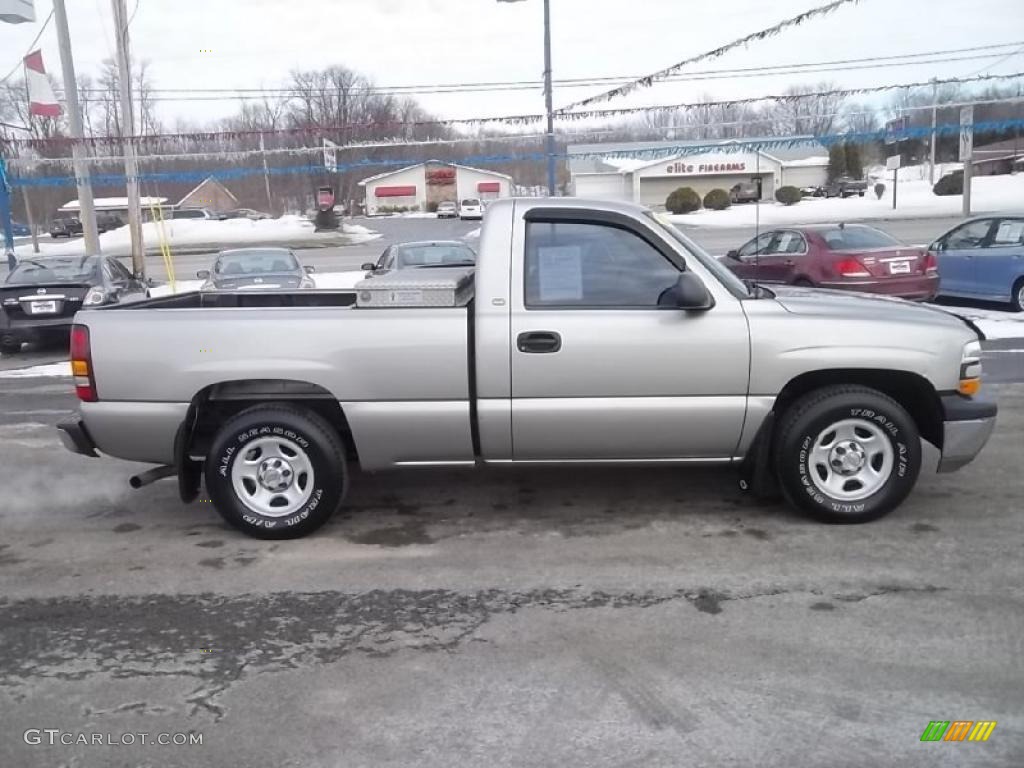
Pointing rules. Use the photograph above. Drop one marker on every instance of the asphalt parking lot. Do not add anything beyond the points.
(531, 617)
(648, 617)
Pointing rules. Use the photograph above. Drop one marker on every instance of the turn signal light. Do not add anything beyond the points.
(81, 364)
(852, 268)
(969, 387)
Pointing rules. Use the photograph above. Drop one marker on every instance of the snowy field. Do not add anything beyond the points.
(914, 199)
(184, 233)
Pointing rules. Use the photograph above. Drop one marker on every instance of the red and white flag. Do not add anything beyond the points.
(42, 100)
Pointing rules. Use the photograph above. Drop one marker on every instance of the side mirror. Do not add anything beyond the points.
(733, 254)
(309, 270)
(203, 274)
(938, 245)
(688, 293)
(368, 266)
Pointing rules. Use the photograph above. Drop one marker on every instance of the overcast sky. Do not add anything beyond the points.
(400, 42)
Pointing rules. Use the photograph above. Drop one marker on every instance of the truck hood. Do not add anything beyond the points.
(819, 302)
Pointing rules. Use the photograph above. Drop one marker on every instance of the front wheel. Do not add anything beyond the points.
(276, 471)
(847, 454)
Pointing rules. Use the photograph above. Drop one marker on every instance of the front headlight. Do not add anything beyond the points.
(95, 297)
(970, 369)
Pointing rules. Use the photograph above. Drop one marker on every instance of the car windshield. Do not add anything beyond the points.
(69, 270)
(434, 254)
(857, 238)
(255, 262)
(732, 283)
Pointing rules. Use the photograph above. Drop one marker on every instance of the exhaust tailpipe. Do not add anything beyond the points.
(151, 476)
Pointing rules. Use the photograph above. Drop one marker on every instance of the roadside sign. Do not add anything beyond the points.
(893, 162)
(894, 126)
(966, 133)
(330, 155)
(325, 198)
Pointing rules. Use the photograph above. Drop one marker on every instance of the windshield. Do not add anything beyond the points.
(734, 285)
(69, 270)
(857, 238)
(255, 262)
(434, 254)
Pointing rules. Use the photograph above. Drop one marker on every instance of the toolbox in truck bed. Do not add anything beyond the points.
(417, 287)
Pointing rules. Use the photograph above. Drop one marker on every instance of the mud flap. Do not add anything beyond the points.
(756, 472)
(189, 472)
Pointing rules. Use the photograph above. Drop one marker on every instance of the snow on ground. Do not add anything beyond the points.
(51, 369)
(914, 199)
(180, 233)
(474, 235)
(338, 280)
(180, 286)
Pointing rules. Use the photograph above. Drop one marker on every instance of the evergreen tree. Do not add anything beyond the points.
(836, 162)
(854, 165)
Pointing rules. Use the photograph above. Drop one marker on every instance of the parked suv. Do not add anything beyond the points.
(66, 227)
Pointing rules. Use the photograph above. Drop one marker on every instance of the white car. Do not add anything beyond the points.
(447, 210)
(471, 209)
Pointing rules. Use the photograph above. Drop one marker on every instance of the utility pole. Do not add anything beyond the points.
(266, 175)
(549, 98)
(967, 153)
(86, 211)
(131, 164)
(935, 100)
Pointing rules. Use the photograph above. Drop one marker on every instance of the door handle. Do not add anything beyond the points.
(539, 342)
(789, 263)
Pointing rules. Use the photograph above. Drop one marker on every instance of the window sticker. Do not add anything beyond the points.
(561, 273)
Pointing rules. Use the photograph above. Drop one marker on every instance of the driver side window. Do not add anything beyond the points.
(969, 236)
(757, 247)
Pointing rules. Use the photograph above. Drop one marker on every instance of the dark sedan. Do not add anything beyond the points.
(40, 297)
(439, 253)
(852, 257)
(256, 269)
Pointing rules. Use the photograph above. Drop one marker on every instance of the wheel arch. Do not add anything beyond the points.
(911, 390)
(216, 403)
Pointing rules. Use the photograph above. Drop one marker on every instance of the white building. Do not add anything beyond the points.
(649, 182)
(421, 187)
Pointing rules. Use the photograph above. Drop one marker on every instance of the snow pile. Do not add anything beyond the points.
(51, 369)
(183, 233)
(914, 199)
(994, 323)
(474, 235)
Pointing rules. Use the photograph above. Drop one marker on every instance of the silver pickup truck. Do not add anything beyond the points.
(588, 332)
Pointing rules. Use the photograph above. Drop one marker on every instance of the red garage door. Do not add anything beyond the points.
(394, 192)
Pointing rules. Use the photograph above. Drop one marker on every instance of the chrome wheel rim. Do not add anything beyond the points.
(272, 476)
(1020, 296)
(851, 459)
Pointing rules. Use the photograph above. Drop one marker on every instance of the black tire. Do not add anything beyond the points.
(809, 418)
(1017, 296)
(10, 347)
(803, 282)
(304, 429)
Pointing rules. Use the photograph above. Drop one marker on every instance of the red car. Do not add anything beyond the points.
(853, 257)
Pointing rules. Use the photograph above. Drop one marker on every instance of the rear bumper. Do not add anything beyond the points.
(76, 438)
(913, 287)
(32, 328)
(967, 426)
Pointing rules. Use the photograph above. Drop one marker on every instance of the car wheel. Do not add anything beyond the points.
(10, 347)
(276, 471)
(847, 454)
(803, 282)
(1017, 296)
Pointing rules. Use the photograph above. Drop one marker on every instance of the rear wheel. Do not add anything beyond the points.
(10, 347)
(847, 454)
(803, 282)
(1017, 296)
(276, 471)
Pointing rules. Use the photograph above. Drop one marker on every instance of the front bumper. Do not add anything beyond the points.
(76, 437)
(967, 426)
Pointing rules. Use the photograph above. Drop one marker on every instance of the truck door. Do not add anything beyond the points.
(599, 370)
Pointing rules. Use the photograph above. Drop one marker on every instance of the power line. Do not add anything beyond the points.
(32, 45)
(779, 69)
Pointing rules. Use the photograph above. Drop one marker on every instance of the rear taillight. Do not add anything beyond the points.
(852, 268)
(931, 264)
(81, 364)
